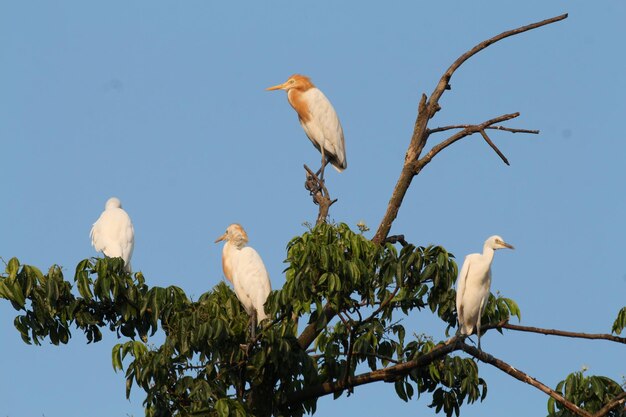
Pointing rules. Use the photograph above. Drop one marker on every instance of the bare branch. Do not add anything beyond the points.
(555, 332)
(426, 110)
(445, 78)
(507, 129)
(470, 130)
(494, 147)
(517, 374)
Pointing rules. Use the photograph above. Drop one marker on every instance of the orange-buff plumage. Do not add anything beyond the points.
(318, 119)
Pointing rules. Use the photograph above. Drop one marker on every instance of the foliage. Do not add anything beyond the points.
(620, 321)
(589, 393)
(208, 365)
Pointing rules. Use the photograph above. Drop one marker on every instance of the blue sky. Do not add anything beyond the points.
(163, 105)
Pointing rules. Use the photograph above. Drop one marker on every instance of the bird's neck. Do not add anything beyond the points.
(299, 104)
(488, 252)
(232, 245)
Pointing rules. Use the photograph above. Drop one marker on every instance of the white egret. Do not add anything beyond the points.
(318, 119)
(473, 286)
(244, 268)
(113, 233)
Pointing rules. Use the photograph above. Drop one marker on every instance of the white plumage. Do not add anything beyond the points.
(474, 284)
(318, 119)
(113, 233)
(244, 268)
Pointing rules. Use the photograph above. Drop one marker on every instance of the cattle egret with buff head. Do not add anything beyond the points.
(244, 268)
(318, 119)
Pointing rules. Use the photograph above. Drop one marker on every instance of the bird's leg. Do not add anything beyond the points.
(482, 303)
(320, 173)
(253, 325)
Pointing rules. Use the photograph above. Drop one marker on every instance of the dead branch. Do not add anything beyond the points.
(317, 189)
(507, 129)
(427, 108)
(469, 130)
(517, 374)
(494, 147)
(554, 332)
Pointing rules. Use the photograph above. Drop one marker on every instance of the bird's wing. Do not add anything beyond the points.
(251, 279)
(113, 234)
(324, 120)
(460, 287)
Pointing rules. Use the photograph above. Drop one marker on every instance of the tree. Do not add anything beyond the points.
(350, 291)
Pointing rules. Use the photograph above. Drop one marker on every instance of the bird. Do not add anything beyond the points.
(113, 233)
(244, 268)
(318, 119)
(473, 286)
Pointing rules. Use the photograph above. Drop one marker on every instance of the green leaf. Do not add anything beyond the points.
(116, 357)
(551, 408)
(221, 406)
(400, 390)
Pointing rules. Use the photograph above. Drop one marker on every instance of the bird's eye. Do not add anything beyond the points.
(291, 81)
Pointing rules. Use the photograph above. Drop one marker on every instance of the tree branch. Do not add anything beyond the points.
(469, 130)
(426, 110)
(517, 374)
(310, 332)
(507, 129)
(620, 399)
(494, 147)
(396, 239)
(445, 78)
(388, 374)
(555, 332)
(317, 189)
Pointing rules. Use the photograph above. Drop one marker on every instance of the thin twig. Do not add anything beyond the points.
(555, 332)
(382, 305)
(493, 146)
(507, 129)
(515, 373)
(470, 130)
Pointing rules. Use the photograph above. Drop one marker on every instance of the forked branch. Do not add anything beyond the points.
(317, 189)
(426, 110)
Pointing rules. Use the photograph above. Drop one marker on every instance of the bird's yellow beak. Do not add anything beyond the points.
(219, 239)
(276, 87)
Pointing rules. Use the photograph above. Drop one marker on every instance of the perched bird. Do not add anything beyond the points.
(113, 233)
(473, 286)
(244, 268)
(318, 119)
